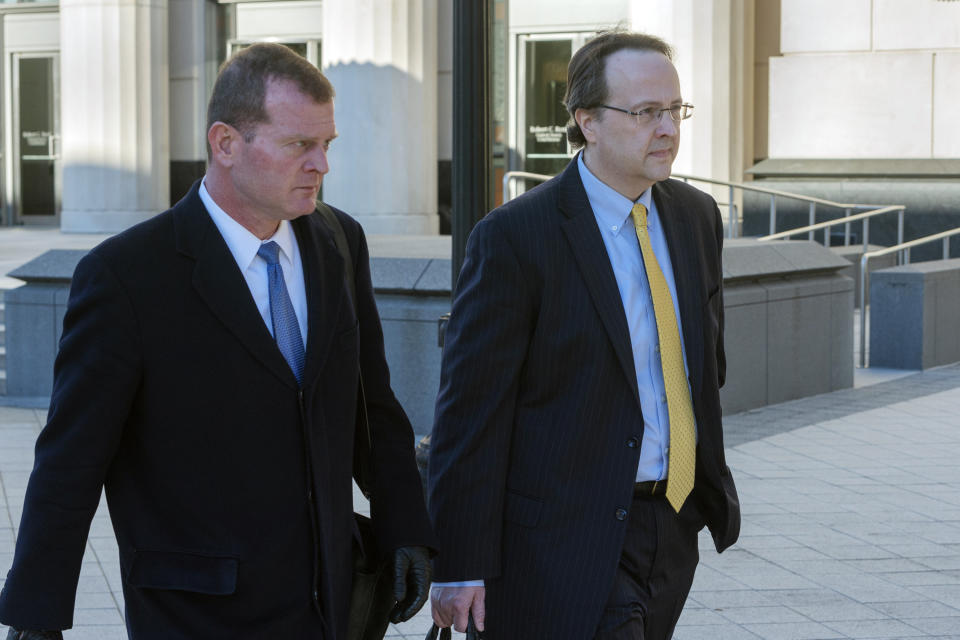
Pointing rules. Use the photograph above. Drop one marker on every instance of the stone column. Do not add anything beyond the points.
(381, 56)
(713, 43)
(115, 123)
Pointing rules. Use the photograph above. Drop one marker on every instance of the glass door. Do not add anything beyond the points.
(541, 116)
(36, 139)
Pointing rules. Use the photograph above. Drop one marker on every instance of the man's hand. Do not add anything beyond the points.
(453, 606)
(27, 634)
(411, 581)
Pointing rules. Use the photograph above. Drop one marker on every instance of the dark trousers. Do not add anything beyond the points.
(655, 573)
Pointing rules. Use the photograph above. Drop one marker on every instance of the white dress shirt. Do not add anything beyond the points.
(244, 246)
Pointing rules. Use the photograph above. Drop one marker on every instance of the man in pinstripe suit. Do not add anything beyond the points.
(552, 433)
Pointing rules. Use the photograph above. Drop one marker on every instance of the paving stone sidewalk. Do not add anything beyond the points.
(851, 522)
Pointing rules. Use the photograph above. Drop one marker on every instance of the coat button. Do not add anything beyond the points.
(621, 514)
(309, 495)
(316, 595)
(633, 443)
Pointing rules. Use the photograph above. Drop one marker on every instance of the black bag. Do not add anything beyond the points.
(371, 598)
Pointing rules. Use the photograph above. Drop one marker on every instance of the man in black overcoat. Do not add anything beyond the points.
(207, 379)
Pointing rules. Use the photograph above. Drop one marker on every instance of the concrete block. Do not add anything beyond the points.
(841, 334)
(745, 343)
(913, 315)
(907, 24)
(744, 258)
(436, 278)
(845, 99)
(397, 274)
(741, 294)
(413, 355)
(803, 257)
(537, 14)
(853, 254)
(55, 265)
(303, 19)
(798, 356)
(946, 97)
(798, 288)
(32, 337)
(824, 25)
(31, 295)
(946, 322)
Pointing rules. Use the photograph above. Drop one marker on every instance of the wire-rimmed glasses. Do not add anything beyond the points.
(649, 115)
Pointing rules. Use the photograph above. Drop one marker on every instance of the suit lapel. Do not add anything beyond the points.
(590, 253)
(323, 278)
(220, 284)
(679, 230)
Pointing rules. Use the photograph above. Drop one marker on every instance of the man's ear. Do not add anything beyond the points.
(224, 143)
(587, 119)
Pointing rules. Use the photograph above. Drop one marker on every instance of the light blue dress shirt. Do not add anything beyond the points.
(612, 211)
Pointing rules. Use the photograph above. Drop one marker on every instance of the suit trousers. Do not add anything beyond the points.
(655, 572)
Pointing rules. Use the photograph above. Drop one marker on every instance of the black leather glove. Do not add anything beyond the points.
(28, 634)
(412, 572)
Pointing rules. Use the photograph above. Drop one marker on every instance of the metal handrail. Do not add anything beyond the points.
(517, 175)
(865, 277)
(846, 220)
(734, 223)
(774, 194)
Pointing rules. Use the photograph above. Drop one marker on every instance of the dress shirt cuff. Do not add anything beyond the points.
(462, 583)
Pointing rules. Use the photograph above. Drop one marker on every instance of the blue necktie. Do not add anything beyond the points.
(286, 329)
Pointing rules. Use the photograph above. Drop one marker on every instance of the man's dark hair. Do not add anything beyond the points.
(241, 87)
(586, 77)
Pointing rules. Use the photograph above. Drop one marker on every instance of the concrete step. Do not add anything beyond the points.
(3, 349)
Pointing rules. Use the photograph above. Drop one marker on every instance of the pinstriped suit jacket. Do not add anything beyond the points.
(538, 399)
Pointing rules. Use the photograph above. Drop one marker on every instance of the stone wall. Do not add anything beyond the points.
(789, 324)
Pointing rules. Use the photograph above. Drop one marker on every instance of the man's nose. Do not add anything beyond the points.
(318, 161)
(667, 126)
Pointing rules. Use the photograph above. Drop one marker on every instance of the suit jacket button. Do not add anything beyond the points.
(633, 443)
(316, 595)
(621, 514)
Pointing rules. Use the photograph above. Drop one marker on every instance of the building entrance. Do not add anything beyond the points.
(541, 117)
(36, 138)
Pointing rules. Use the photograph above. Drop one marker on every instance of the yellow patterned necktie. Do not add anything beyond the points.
(682, 452)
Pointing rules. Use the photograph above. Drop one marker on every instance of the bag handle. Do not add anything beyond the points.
(436, 633)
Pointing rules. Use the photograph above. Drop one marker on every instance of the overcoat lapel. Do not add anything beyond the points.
(590, 253)
(678, 229)
(221, 285)
(323, 279)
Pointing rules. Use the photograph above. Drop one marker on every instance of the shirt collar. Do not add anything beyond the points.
(243, 244)
(611, 208)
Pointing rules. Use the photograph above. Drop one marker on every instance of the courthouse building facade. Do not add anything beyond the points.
(103, 101)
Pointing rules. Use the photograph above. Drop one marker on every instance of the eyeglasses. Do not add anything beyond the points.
(650, 115)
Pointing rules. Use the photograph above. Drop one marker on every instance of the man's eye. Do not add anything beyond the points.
(646, 113)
